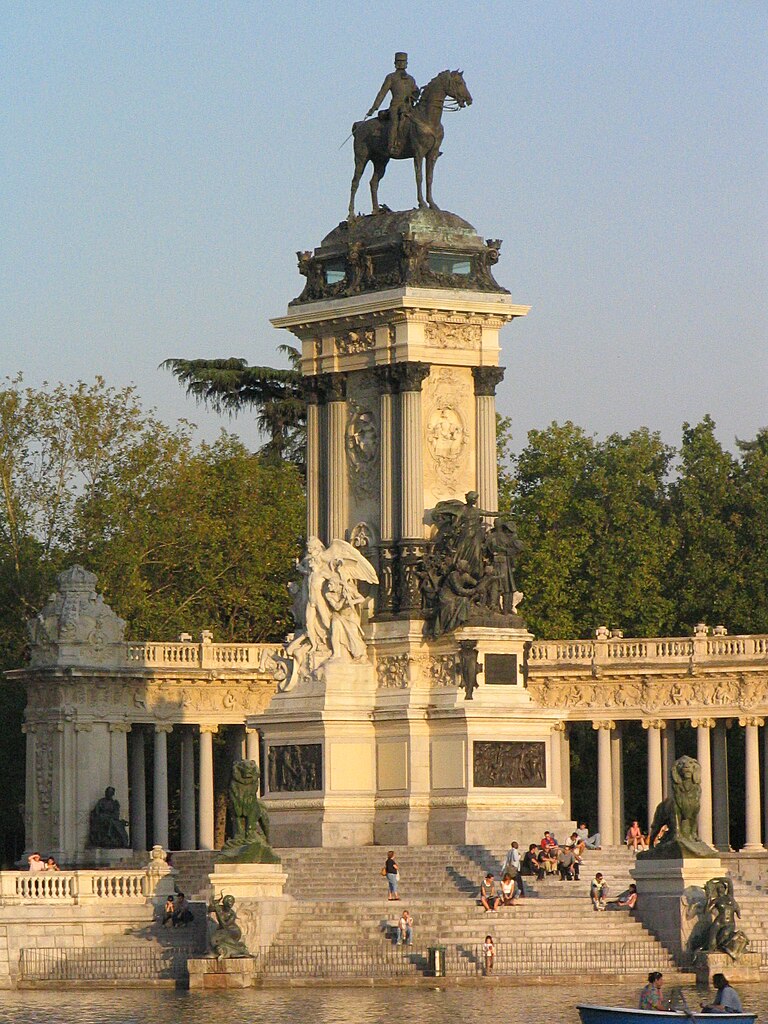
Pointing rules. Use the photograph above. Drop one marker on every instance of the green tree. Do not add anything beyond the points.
(748, 611)
(705, 579)
(230, 385)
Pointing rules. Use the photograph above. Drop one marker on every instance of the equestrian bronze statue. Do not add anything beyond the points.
(409, 130)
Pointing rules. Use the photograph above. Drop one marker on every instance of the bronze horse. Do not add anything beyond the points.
(422, 136)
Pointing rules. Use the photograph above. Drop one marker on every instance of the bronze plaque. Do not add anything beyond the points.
(500, 669)
(295, 768)
(509, 765)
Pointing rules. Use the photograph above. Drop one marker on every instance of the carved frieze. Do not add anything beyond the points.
(509, 765)
(354, 342)
(392, 672)
(448, 334)
(295, 768)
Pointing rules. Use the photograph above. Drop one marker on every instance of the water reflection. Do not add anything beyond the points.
(480, 1004)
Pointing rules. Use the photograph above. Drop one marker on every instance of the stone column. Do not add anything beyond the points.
(188, 831)
(617, 764)
(703, 756)
(667, 758)
(604, 782)
(556, 766)
(118, 765)
(388, 496)
(565, 759)
(160, 788)
(654, 728)
(752, 782)
(486, 380)
(720, 801)
(409, 378)
(336, 482)
(765, 777)
(312, 393)
(138, 815)
(206, 786)
(252, 746)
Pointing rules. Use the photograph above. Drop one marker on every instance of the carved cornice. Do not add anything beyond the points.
(487, 379)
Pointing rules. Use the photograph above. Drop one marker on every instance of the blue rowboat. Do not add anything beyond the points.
(624, 1015)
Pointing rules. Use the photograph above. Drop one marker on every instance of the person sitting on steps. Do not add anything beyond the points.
(598, 892)
(489, 897)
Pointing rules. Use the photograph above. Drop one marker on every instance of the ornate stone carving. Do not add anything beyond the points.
(354, 342)
(295, 768)
(409, 376)
(446, 334)
(362, 443)
(386, 598)
(392, 672)
(441, 669)
(468, 667)
(75, 627)
(487, 379)
(334, 386)
(509, 765)
(410, 567)
(447, 435)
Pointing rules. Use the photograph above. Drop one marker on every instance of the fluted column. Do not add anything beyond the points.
(617, 766)
(565, 764)
(486, 380)
(206, 786)
(604, 782)
(312, 393)
(654, 728)
(765, 790)
(138, 815)
(409, 378)
(704, 757)
(160, 787)
(188, 831)
(752, 782)
(720, 801)
(252, 746)
(556, 767)
(386, 455)
(667, 758)
(336, 483)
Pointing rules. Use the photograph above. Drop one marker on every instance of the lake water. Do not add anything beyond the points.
(480, 1004)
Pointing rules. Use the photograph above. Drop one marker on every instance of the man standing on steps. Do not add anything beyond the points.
(512, 867)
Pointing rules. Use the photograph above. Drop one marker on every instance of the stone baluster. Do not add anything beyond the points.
(704, 757)
(188, 830)
(206, 814)
(617, 765)
(654, 727)
(720, 801)
(138, 811)
(160, 787)
(604, 782)
(487, 378)
(751, 724)
(313, 394)
(336, 482)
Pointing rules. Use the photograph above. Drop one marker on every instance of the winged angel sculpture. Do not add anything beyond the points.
(327, 605)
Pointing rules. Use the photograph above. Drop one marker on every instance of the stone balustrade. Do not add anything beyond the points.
(186, 654)
(121, 885)
(654, 652)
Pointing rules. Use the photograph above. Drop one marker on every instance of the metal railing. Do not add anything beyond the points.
(511, 958)
(104, 963)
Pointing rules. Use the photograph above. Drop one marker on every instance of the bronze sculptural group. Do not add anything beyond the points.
(716, 930)
(469, 571)
(411, 129)
(249, 841)
(225, 938)
(106, 829)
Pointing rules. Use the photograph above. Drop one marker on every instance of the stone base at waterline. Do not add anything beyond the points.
(259, 901)
(745, 969)
(207, 974)
(665, 892)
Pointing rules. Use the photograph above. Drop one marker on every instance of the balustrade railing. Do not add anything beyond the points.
(257, 657)
(659, 650)
(69, 887)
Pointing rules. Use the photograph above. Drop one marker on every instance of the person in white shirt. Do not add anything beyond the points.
(36, 862)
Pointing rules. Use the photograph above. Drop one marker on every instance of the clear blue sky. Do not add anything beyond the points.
(163, 161)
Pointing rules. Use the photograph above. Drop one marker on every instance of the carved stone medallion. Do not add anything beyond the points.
(447, 434)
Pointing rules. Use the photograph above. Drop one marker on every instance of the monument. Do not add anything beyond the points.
(405, 718)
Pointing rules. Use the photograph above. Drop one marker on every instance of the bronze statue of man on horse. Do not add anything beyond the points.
(411, 129)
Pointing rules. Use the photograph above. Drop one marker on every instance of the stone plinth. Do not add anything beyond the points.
(207, 974)
(745, 969)
(259, 901)
(666, 891)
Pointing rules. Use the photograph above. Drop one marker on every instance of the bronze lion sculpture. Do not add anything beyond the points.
(675, 827)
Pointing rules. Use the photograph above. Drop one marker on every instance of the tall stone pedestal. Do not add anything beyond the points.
(259, 901)
(666, 896)
(745, 969)
(207, 974)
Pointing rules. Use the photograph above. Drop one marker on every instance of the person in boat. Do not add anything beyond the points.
(726, 1000)
(652, 996)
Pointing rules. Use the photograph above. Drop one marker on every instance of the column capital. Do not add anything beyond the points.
(251, 730)
(487, 379)
(119, 727)
(655, 723)
(208, 728)
(334, 386)
(312, 389)
(608, 724)
(703, 723)
(559, 726)
(386, 380)
(165, 727)
(754, 720)
(409, 376)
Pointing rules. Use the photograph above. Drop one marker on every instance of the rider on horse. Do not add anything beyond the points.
(405, 92)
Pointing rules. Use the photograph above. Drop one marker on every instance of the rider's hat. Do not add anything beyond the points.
(401, 56)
